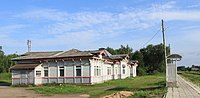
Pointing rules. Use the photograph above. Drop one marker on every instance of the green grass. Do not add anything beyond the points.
(151, 86)
(5, 77)
(193, 76)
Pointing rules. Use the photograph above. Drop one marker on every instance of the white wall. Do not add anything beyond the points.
(38, 79)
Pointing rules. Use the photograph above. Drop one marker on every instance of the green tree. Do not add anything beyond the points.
(151, 58)
(137, 55)
(1, 61)
(154, 58)
(6, 62)
(124, 50)
(111, 50)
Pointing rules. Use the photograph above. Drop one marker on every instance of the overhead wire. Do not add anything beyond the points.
(151, 38)
(159, 14)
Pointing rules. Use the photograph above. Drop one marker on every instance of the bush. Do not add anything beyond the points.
(5, 77)
(141, 71)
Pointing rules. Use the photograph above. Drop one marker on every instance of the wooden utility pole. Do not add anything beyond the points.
(165, 53)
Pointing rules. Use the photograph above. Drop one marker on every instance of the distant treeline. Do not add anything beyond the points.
(5, 61)
(192, 68)
(151, 58)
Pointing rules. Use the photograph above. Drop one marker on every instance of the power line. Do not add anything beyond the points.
(151, 38)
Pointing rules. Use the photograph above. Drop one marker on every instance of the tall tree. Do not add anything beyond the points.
(124, 50)
(153, 58)
(6, 62)
(111, 50)
(137, 55)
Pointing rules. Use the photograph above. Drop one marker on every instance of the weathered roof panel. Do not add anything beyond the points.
(118, 56)
(75, 52)
(35, 55)
(24, 66)
(56, 54)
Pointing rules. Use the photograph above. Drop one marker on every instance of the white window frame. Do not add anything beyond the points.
(78, 68)
(97, 70)
(46, 69)
(61, 68)
(108, 70)
(38, 73)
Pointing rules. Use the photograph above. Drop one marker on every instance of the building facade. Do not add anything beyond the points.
(73, 66)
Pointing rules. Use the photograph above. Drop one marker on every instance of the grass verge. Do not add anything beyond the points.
(193, 76)
(150, 86)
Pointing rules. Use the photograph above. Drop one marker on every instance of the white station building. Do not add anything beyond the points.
(73, 66)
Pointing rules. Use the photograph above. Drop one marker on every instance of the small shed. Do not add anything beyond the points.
(24, 73)
(172, 69)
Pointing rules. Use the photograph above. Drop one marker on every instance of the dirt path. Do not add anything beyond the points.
(15, 92)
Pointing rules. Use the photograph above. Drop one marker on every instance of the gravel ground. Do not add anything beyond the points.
(17, 92)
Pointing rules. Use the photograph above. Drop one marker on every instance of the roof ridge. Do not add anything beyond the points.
(58, 54)
(43, 51)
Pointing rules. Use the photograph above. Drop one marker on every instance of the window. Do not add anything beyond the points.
(78, 70)
(46, 72)
(124, 70)
(116, 70)
(61, 71)
(97, 70)
(38, 73)
(108, 70)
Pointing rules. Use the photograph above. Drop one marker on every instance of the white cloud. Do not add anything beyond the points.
(43, 14)
(4, 30)
(182, 15)
(196, 5)
(99, 28)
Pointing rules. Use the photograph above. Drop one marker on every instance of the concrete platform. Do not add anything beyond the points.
(185, 89)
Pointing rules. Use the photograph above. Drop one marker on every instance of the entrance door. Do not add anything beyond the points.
(38, 78)
(23, 78)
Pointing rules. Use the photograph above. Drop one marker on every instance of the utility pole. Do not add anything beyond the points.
(0, 48)
(165, 53)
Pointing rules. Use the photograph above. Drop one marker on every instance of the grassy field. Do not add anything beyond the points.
(193, 76)
(150, 86)
(5, 77)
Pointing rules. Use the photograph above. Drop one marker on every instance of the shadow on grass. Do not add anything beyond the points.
(194, 73)
(3, 83)
(155, 86)
(161, 83)
(135, 89)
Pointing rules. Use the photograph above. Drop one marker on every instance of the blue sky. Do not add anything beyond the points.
(89, 24)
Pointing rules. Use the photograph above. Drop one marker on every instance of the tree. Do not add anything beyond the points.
(6, 62)
(181, 68)
(151, 58)
(154, 58)
(124, 50)
(111, 50)
(137, 55)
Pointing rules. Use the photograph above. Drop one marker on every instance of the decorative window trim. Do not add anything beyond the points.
(97, 70)
(38, 73)
(46, 71)
(78, 71)
(61, 69)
